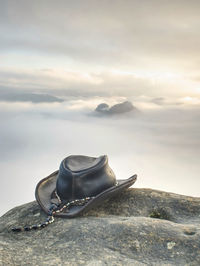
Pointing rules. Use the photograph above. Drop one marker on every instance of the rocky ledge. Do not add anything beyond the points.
(138, 227)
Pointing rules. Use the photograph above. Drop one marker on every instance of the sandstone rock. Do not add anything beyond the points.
(116, 109)
(102, 107)
(121, 108)
(138, 227)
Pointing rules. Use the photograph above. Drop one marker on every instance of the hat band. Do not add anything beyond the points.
(52, 211)
(55, 208)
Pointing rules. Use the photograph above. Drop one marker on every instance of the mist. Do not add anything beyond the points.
(160, 145)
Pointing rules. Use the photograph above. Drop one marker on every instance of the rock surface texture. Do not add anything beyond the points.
(138, 227)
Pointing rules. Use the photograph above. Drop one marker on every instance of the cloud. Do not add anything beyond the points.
(145, 34)
(113, 83)
(95, 49)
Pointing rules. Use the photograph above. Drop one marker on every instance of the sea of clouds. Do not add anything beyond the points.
(160, 142)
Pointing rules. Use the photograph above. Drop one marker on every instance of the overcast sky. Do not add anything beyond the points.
(118, 47)
(60, 59)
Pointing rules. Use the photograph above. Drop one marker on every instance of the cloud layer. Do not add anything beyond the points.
(115, 47)
(160, 145)
(91, 30)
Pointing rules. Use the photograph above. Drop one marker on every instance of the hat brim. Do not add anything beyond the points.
(47, 186)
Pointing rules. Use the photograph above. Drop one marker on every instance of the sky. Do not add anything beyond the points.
(59, 60)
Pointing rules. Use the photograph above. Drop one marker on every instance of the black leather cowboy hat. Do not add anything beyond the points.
(81, 183)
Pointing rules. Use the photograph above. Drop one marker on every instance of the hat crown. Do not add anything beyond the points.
(83, 176)
(77, 163)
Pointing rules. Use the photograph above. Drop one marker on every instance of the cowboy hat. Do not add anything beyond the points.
(81, 183)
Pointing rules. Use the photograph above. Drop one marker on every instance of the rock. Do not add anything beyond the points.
(102, 107)
(138, 227)
(119, 108)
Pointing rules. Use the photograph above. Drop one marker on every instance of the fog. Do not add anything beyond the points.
(160, 144)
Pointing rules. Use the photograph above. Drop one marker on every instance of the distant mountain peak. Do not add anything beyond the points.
(116, 109)
(29, 97)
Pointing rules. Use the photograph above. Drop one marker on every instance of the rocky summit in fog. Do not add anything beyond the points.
(116, 109)
(138, 227)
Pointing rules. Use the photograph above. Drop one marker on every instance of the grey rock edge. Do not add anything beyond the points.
(138, 227)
